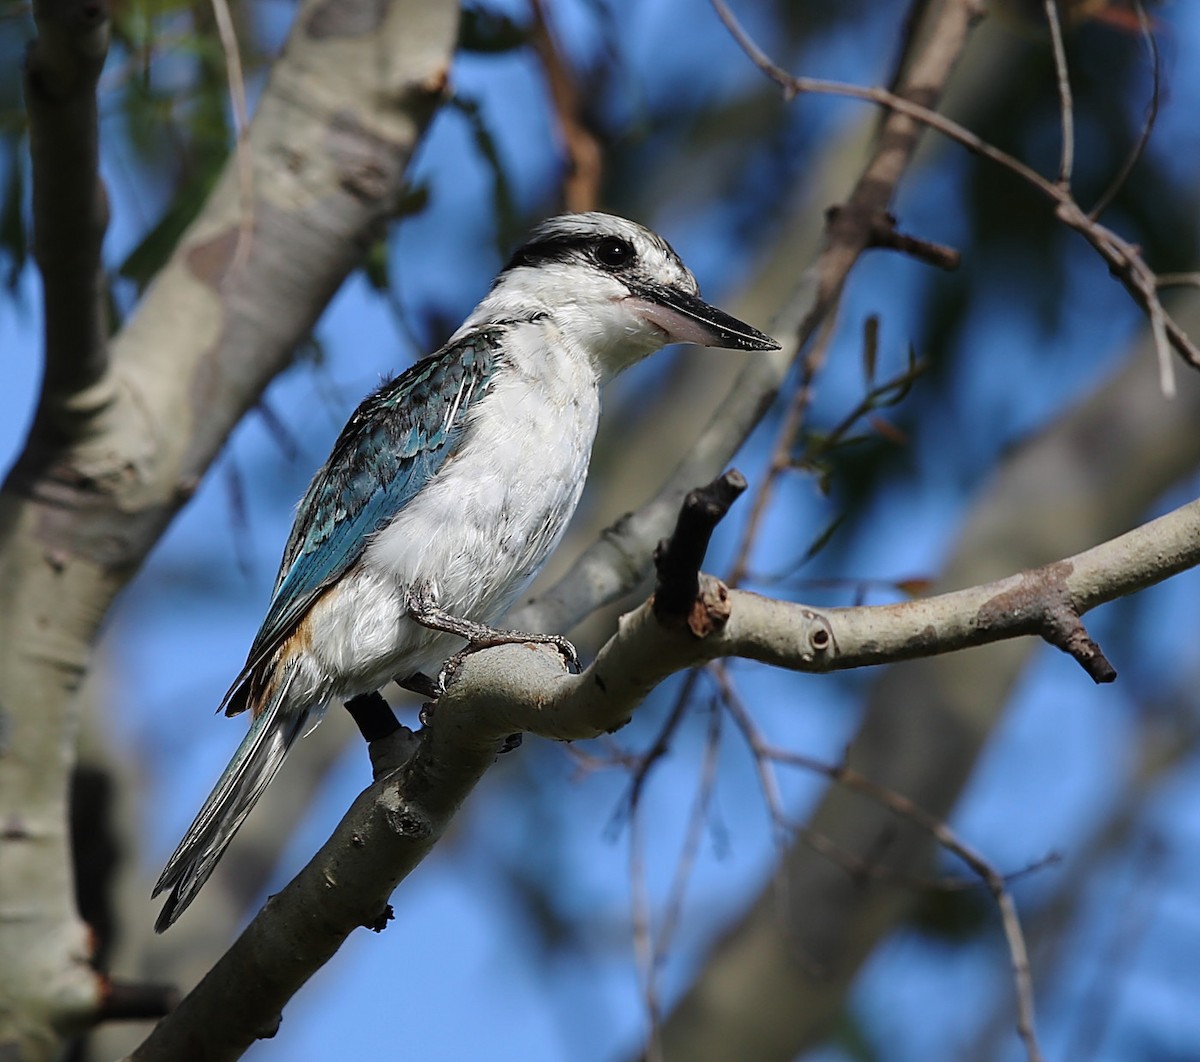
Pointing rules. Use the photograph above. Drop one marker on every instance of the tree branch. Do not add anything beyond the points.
(330, 142)
(779, 976)
(70, 207)
(1123, 257)
(395, 823)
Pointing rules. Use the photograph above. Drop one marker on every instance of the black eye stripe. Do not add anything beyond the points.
(569, 248)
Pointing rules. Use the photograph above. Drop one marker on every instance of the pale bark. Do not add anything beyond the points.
(120, 444)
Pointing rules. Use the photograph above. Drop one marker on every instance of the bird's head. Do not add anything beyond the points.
(613, 289)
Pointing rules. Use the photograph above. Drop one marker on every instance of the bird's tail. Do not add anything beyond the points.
(254, 764)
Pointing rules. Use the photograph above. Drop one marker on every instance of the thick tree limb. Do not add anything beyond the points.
(46, 983)
(334, 131)
(394, 824)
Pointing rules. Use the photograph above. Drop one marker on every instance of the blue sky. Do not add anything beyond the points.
(460, 973)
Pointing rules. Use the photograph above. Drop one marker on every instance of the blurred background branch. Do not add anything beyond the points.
(1008, 442)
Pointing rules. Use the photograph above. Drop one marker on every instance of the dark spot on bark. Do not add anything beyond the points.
(365, 161)
(346, 18)
(208, 261)
(409, 825)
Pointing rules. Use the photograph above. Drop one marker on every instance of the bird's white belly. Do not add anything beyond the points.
(476, 534)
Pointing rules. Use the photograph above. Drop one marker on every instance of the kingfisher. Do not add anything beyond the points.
(444, 495)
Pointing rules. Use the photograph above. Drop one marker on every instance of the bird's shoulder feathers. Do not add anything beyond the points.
(392, 446)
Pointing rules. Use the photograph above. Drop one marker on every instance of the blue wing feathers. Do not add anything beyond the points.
(392, 446)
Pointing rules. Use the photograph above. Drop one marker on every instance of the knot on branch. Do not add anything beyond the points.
(1041, 604)
(1062, 627)
(682, 596)
(878, 230)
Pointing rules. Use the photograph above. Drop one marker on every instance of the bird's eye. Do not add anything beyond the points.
(613, 253)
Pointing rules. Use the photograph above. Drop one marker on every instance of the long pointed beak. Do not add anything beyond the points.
(687, 318)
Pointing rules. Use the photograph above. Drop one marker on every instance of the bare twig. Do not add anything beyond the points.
(1066, 106)
(643, 935)
(946, 837)
(781, 461)
(885, 235)
(784, 459)
(241, 123)
(581, 183)
(662, 742)
(1123, 257)
(767, 781)
(673, 908)
(650, 948)
(765, 754)
(1127, 926)
(1134, 156)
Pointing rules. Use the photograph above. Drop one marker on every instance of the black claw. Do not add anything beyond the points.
(511, 743)
(569, 653)
(420, 684)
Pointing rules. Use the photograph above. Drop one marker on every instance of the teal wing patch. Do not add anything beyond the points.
(391, 447)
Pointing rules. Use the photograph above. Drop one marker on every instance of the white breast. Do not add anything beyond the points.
(479, 531)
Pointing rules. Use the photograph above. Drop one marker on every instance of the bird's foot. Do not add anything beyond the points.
(418, 683)
(423, 609)
(510, 744)
(490, 637)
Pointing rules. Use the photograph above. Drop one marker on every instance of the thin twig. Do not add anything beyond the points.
(1127, 926)
(781, 461)
(782, 458)
(1124, 258)
(764, 753)
(1143, 139)
(745, 723)
(945, 836)
(241, 124)
(662, 742)
(1066, 106)
(691, 841)
(643, 936)
(581, 183)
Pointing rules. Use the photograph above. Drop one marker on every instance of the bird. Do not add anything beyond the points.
(444, 495)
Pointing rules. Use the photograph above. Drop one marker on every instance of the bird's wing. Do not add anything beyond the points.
(390, 448)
